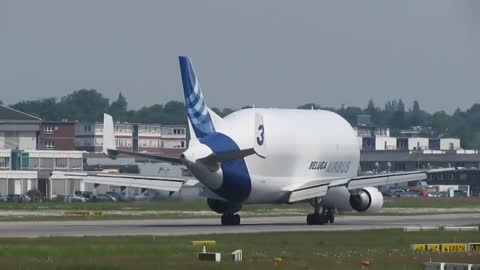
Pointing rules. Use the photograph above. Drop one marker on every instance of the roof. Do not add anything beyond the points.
(7, 113)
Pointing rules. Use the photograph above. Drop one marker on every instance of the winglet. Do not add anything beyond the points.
(260, 144)
(108, 134)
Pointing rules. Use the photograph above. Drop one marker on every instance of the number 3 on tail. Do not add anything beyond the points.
(260, 138)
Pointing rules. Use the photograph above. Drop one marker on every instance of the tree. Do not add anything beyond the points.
(309, 106)
(371, 106)
(417, 116)
(118, 108)
(85, 105)
(47, 108)
(89, 105)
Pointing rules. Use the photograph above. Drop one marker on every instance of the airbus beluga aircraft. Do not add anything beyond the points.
(264, 156)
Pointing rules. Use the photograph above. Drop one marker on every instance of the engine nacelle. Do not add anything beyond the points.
(368, 199)
(222, 207)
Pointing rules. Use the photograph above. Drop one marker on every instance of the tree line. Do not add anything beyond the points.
(89, 105)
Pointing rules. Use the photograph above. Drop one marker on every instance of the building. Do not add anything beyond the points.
(56, 135)
(21, 171)
(371, 131)
(444, 144)
(18, 130)
(133, 137)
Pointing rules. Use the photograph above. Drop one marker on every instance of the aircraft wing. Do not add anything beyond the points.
(319, 188)
(127, 180)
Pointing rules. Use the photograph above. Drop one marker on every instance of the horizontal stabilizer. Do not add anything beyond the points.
(214, 160)
(226, 156)
(170, 158)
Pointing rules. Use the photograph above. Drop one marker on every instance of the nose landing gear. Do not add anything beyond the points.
(230, 219)
(227, 209)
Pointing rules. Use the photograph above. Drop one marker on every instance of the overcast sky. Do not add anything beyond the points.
(268, 53)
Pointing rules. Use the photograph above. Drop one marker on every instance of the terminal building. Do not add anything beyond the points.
(380, 152)
(18, 130)
(133, 137)
(30, 149)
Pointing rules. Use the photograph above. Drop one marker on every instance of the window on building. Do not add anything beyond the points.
(61, 163)
(49, 129)
(49, 145)
(46, 163)
(75, 163)
(154, 143)
(33, 162)
(4, 162)
(178, 131)
(183, 144)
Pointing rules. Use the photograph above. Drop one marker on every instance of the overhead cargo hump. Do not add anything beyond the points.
(200, 121)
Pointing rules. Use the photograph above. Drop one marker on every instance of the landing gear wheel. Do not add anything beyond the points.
(330, 215)
(331, 219)
(317, 219)
(230, 219)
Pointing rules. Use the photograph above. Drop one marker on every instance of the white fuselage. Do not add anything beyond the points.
(300, 146)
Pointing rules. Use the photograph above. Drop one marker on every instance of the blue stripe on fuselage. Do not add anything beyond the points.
(236, 185)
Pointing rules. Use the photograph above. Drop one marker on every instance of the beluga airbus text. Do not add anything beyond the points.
(264, 156)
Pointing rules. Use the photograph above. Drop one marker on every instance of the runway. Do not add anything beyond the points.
(164, 227)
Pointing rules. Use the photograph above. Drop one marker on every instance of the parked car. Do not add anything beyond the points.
(76, 198)
(408, 194)
(18, 198)
(389, 193)
(25, 198)
(438, 194)
(85, 194)
(119, 196)
(105, 198)
(3, 198)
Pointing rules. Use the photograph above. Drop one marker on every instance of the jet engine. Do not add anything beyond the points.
(223, 207)
(368, 199)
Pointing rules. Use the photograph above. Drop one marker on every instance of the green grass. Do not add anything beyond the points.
(134, 205)
(185, 209)
(201, 205)
(386, 249)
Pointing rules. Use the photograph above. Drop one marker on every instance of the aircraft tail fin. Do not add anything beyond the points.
(199, 119)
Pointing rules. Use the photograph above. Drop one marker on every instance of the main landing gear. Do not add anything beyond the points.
(230, 219)
(327, 215)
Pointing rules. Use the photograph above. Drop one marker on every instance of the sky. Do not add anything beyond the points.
(269, 53)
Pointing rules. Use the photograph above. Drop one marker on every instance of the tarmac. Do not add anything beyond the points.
(165, 227)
